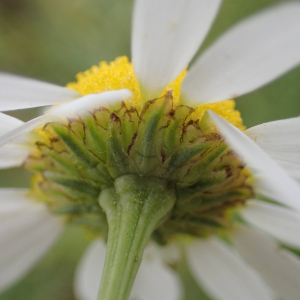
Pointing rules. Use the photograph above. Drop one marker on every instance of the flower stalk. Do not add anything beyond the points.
(134, 207)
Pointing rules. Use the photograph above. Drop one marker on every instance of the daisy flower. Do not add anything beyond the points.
(148, 155)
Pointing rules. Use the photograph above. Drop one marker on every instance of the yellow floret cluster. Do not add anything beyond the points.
(119, 74)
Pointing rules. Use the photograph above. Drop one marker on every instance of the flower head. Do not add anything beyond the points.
(147, 149)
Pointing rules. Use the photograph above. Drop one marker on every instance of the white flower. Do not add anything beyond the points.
(166, 35)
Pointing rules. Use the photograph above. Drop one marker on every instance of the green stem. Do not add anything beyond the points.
(134, 207)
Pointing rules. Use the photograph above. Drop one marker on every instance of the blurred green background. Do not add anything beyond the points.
(55, 39)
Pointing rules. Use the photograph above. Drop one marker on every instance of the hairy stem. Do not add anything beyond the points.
(134, 207)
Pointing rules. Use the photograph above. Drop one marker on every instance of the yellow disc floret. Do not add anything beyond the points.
(119, 74)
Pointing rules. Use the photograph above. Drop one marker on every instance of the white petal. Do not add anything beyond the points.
(12, 200)
(89, 102)
(23, 129)
(12, 156)
(82, 105)
(89, 272)
(27, 230)
(281, 140)
(18, 92)
(7, 123)
(273, 181)
(279, 268)
(166, 35)
(280, 222)
(171, 253)
(222, 272)
(250, 55)
(153, 281)
(293, 169)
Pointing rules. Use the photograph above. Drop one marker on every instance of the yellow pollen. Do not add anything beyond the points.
(119, 74)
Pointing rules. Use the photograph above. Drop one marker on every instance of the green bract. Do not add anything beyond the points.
(79, 158)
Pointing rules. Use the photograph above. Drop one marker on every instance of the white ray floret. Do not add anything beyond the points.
(250, 55)
(165, 36)
(281, 140)
(11, 155)
(87, 103)
(27, 230)
(153, 281)
(292, 168)
(223, 273)
(25, 128)
(279, 268)
(7, 123)
(18, 92)
(280, 222)
(83, 105)
(272, 180)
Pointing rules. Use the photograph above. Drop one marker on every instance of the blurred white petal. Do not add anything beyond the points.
(222, 272)
(12, 156)
(89, 272)
(7, 123)
(18, 92)
(165, 36)
(250, 55)
(278, 267)
(23, 129)
(280, 222)
(154, 279)
(27, 230)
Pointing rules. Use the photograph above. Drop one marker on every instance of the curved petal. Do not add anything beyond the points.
(165, 36)
(272, 180)
(88, 274)
(23, 129)
(12, 156)
(280, 222)
(83, 105)
(89, 102)
(27, 230)
(7, 123)
(223, 273)
(281, 140)
(153, 281)
(250, 55)
(278, 267)
(18, 92)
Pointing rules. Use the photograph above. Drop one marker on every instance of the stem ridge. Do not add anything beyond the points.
(134, 207)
